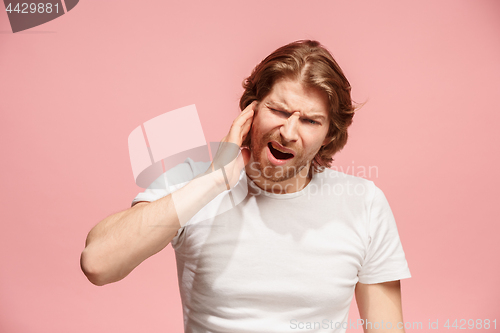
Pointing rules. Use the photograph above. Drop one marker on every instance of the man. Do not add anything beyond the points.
(302, 240)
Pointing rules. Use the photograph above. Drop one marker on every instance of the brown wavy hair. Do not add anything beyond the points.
(312, 64)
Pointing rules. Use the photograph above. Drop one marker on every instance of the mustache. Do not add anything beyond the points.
(279, 140)
(252, 141)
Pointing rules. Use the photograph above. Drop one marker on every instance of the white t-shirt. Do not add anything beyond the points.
(282, 262)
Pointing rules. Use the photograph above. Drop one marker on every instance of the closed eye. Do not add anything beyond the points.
(283, 113)
(286, 114)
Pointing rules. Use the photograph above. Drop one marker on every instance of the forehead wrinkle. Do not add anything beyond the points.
(284, 106)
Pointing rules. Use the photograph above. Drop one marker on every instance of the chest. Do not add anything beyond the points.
(277, 255)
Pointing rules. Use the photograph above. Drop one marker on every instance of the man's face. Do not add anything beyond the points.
(292, 119)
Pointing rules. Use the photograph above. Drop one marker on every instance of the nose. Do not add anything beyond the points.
(289, 129)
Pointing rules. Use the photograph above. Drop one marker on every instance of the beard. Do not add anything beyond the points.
(269, 171)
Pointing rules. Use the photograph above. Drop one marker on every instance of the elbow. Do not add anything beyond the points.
(89, 270)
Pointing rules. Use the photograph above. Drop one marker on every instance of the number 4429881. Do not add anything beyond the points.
(462, 324)
(32, 8)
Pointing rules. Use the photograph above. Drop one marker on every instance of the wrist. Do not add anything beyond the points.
(216, 180)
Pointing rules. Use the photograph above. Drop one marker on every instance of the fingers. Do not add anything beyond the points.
(250, 106)
(246, 113)
(249, 109)
(241, 125)
(246, 128)
(228, 151)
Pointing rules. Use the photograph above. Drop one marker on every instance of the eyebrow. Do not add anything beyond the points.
(284, 107)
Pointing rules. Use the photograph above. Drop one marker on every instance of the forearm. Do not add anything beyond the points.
(119, 243)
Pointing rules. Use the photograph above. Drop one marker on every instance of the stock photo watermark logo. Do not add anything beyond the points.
(25, 15)
(165, 141)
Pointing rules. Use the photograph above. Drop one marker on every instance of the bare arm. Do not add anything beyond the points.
(380, 302)
(120, 242)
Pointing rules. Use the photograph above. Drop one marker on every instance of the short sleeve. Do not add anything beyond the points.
(385, 259)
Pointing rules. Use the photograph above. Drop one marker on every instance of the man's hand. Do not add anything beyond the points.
(230, 158)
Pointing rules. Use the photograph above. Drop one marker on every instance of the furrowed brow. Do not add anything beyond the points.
(284, 107)
(316, 117)
(279, 105)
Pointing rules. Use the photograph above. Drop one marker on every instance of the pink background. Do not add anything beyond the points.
(73, 89)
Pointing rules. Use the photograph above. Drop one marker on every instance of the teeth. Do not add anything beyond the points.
(279, 149)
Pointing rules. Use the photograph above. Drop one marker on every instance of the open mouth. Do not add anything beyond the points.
(279, 155)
